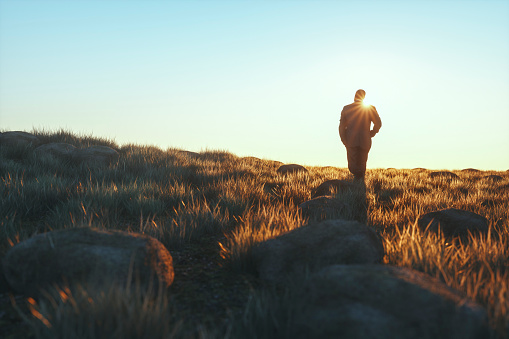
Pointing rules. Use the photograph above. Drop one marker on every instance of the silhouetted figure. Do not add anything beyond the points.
(356, 133)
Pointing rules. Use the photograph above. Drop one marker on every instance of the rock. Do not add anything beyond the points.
(454, 222)
(95, 155)
(314, 246)
(86, 255)
(18, 138)
(58, 150)
(419, 169)
(443, 174)
(494, 178)
(379, 301)
(327, 188)
(323, 208)
(291, 169)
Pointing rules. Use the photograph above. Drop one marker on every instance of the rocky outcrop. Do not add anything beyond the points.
(291, 169)
(91, 156)
(453, 222)
(315, 246)
(18, 139)
(95, 155)
(329, 187)
(384, 302)
(58, 150)
(444, 175)
(324, 208)
(86, 255)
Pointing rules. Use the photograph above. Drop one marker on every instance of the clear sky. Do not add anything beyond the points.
(264, 78)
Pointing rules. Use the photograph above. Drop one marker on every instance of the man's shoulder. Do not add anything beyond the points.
(349, 107)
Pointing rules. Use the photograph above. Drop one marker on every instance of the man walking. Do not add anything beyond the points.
(356, 133)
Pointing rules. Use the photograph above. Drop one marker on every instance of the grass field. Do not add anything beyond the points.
(209, 209)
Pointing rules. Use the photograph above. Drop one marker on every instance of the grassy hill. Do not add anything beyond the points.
(209, 209)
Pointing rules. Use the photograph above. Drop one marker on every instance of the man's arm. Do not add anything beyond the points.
(377, 122)
(342, 128)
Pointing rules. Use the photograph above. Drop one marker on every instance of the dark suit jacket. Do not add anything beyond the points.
(355, 125)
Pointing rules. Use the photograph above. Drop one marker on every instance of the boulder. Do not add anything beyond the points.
(58, 150)
(329, 187)
(18, 138)
(379, 301)
(453, 222)
(291, 169)
(324, 208)
(86, 255)
(494, 178)
(314, 246)
(443, 174)
(95, 155)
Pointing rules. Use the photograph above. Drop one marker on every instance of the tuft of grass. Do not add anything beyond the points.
(111, 312)
(257, 225)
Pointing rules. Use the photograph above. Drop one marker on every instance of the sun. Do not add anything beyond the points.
(365, 103)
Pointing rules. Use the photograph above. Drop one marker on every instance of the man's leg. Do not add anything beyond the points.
(357, 158)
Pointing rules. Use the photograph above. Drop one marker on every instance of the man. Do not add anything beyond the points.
(356, 133)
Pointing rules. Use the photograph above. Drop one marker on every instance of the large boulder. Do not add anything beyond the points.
(95, 155)
(291, 169)
(324, 208)
(453, 222)
(57, 150)
(18, 138)
(314, 246)
(379, 301)
(329, 187)
(86, 255)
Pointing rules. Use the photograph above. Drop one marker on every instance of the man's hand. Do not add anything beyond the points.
(372, 133)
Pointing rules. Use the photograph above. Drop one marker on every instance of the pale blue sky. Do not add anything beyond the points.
(264, 78)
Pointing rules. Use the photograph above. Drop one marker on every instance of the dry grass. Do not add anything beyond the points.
(181, 198)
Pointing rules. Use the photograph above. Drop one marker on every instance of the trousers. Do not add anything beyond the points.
(357, 159)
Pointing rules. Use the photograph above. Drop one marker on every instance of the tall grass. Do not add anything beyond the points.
(233, 203)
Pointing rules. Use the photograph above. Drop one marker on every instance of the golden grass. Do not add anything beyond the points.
(396, 198)
(180, 198)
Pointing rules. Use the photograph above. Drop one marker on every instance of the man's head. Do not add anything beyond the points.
(360, 95)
